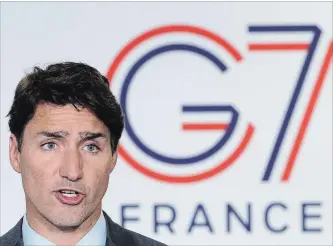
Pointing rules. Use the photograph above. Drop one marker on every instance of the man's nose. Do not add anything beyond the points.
(72, 166)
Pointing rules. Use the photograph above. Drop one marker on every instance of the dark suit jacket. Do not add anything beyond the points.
(116, 236)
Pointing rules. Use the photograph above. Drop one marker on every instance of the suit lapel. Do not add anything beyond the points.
(116, 235)
(19, 243)
(112, 233)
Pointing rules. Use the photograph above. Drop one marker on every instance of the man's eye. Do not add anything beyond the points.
(92, 148)
(49, 146)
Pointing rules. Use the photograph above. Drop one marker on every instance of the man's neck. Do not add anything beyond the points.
(60, 236)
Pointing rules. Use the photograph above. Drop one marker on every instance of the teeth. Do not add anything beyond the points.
(67, 192)
(69, 195)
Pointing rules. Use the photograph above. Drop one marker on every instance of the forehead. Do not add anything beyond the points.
(60, 118)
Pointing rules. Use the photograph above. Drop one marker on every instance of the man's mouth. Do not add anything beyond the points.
(69, 193)
(69, 197)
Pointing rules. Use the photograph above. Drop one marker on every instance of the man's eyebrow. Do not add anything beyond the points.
(92, 135)
(83, 135)
(58, 134)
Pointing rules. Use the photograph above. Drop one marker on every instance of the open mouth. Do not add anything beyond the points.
(69, 197)
(69, 193)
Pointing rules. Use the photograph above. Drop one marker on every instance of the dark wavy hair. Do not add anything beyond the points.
(66, 83)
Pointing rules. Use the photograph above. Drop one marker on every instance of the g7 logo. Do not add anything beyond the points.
(228, 128)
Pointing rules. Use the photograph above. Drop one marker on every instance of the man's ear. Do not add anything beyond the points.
(14, 154)
(113, 161)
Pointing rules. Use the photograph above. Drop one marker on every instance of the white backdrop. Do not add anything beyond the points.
(259, 88)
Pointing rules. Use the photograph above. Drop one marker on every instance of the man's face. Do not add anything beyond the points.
(64, 149)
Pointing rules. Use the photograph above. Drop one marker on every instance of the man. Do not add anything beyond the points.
(65, 126)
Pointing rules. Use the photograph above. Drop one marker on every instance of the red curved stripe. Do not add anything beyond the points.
(191, 178)
(168, 29)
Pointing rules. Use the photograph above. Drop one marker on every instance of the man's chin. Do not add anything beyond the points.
(65, 219)
(67, 224)
(68, 228)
